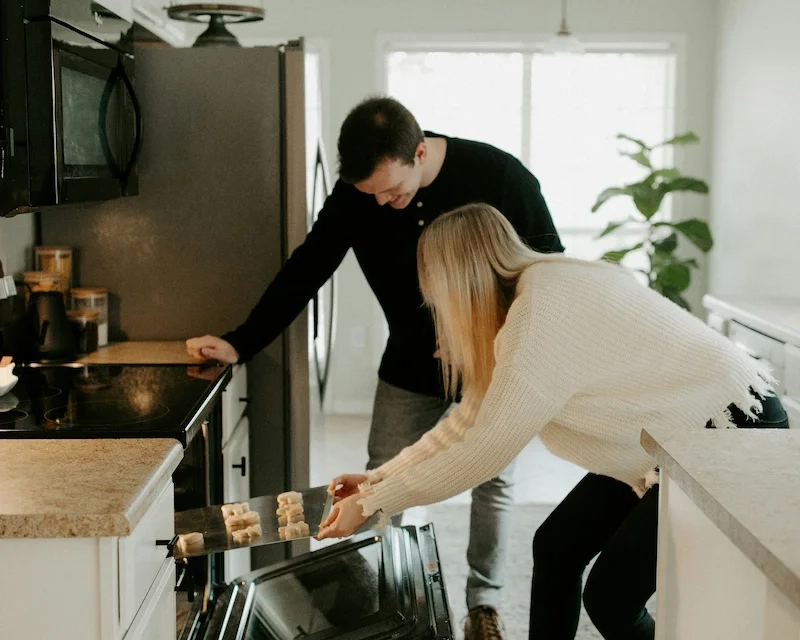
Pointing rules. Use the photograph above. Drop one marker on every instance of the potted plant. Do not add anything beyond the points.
(667, 273)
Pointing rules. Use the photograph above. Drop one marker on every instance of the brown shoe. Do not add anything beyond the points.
(483, 623)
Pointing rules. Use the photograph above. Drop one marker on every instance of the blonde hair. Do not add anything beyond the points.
(469, 262)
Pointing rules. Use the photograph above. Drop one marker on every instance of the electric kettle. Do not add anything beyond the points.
(50, 336)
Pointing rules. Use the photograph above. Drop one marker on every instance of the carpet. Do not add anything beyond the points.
(451, 523)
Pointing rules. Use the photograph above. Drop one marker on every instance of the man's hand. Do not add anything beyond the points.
(345, 518)
(344, 486)
(211, 348)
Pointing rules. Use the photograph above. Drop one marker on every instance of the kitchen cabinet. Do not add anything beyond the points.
(121, 8)
(152, 15)
(767, 329)
(236, 484)
(234, 401)
(728, 539)
(84, 527)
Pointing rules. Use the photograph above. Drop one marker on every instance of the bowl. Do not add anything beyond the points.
(7, 379)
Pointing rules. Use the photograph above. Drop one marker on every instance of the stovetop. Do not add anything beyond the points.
(101, 401)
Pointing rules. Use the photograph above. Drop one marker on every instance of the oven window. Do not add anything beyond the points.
(334, 595)
(89, 115)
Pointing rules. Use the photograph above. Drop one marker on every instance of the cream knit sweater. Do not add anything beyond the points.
(586, 359)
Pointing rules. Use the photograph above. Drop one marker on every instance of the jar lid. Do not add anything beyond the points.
(83, 314)
(88, 292)
(42, 276)
(49, 250)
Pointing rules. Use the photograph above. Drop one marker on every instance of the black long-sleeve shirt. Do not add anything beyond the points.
(384, 241)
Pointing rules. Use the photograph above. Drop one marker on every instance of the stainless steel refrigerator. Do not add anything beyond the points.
(229, 182)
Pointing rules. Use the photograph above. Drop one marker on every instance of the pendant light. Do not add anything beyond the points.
(563, 43)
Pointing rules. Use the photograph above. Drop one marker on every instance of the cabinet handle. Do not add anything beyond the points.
(242, 466)
(749, 352)
(169, 544)
(245, 400)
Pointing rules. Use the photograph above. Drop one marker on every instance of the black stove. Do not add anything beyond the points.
(101, 401)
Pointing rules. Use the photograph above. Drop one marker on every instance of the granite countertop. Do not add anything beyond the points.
(747, 481)
(167, 352)
(778, 317)
(64, 488)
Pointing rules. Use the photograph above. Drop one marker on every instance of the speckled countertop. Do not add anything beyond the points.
(747, 481)
(63, 488)
(141, 352)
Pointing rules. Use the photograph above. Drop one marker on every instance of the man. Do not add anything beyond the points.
(393, 181)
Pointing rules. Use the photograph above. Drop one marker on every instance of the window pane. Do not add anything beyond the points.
(466, 95)
(579, 105)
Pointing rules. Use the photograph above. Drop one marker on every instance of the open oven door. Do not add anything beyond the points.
(375, 585)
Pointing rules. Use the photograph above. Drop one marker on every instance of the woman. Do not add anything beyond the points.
(584, 356)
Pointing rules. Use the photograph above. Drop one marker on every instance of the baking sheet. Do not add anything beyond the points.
(209, 521)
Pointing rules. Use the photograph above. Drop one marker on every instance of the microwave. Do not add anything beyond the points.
(70, 123)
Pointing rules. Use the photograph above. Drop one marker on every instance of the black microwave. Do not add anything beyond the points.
(70, 123)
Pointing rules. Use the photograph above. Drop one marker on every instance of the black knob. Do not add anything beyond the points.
(242, 466)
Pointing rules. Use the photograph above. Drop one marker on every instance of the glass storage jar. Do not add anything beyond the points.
(58, 259)
(95, 299)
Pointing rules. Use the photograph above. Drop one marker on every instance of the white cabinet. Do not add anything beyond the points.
(112, 588)
(234, 401)
(236, 488)
(152, 15)
(156, 617)
(121, 8)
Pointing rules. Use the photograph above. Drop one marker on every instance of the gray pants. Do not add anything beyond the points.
(399, 419)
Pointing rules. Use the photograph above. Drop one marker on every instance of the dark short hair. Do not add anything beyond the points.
(377, 129)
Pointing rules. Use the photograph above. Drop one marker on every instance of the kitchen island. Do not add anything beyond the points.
(729, 534)
(83, 530)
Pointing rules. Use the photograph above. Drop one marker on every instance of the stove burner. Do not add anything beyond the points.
(101, 413)
(11, 417)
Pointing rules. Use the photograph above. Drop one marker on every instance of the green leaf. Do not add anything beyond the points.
(667, 245)
(609, 193)
(697, 232)
(612, 226)
(622, 136)
(677, 298)
(674, 276)
(616, 256)
(647, 198)
(666, 173)
(684, 183)
(640, 157)
(685, 138)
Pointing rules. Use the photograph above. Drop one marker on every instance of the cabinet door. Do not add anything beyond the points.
(121, 8)
(234, 401)
(156, 618)
(152, 15)
(236, 488)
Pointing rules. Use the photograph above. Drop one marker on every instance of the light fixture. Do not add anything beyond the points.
(217, 16)
(563, 43)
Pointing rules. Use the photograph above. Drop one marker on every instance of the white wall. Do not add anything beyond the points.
(755, 209)
(16, 242)
(349, 31)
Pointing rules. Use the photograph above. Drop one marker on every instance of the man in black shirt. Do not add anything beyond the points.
(394, 179)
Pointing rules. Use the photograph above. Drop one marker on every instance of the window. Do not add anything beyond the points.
(559, 114)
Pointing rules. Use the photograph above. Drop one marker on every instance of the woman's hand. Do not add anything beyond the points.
(346, 485)
(345, 518)
(211, 348)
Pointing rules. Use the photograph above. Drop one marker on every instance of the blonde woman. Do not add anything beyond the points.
(584, 356)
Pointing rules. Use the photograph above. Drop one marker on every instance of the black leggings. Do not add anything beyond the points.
(604, 516)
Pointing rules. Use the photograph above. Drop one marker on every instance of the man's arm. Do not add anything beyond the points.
(525, 207)
(306, 270)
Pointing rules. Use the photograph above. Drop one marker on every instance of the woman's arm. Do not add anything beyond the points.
(511, 414)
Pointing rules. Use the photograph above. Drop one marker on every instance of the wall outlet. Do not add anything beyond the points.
(358, 337)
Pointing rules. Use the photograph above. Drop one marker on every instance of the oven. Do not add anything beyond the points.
(70, 123)
(374, 586)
